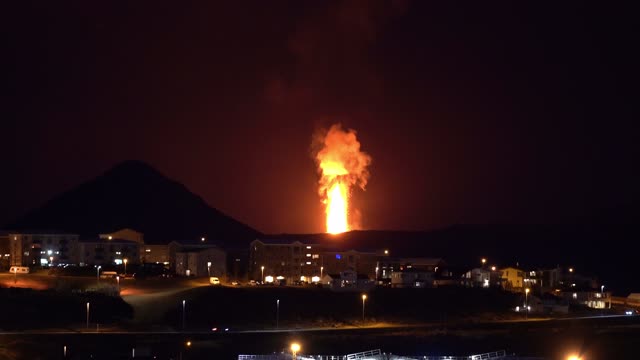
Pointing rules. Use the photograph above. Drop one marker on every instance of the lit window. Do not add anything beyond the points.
(308, 255)
(308, 247)
(315, 256)
(308, 262)
(147, 250)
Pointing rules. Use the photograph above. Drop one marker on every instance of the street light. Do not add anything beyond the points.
(87, 315)
(262, 274)
(321, 271)
(98, 273)
(118, 280)
(125, 266)
(50, 261)
(295, 347)
(184, 302)
(364, 297)
(277, 313)
(484, 261)
(209, 268)
(526, 303)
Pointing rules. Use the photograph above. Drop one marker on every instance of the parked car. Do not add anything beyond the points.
(252, 283)
(214, 280)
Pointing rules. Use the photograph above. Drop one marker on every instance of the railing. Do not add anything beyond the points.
(372, 353)
(263, 357)
(491, 355)
(364, 354)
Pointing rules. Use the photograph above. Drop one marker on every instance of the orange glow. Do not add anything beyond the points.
(337, 205)
(341, 165)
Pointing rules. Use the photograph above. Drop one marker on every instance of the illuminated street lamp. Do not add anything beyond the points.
(493, 268)
(209, 268)
(118, 281)
(321, 271)
(526, 303)
(87, 315)
(277, 313)
(50, 261)
(184, 303)
(262, 274)
(295, 347)
(574, 357)
(125, 261)
(570, 270)
(484, 261)
(98, 273)
(364, 297)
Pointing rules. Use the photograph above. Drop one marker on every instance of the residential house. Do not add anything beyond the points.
(201, 260)
(412, 278)
(347, 280)
(512, 279)
(590, 298)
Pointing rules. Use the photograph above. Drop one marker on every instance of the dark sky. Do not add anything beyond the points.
(478, 112)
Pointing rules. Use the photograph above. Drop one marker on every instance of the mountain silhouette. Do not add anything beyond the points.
(135, 195)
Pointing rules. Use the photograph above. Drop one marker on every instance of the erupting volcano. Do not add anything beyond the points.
(341, 165)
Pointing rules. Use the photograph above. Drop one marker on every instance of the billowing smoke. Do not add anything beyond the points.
(341, 165)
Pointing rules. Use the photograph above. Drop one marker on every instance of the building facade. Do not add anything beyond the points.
(43, 248)
(294, 261)
(201, 261)
(109, 251)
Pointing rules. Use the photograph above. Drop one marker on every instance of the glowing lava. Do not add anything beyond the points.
(337, 209)
(341, 165)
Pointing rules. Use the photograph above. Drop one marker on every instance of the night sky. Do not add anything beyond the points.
(478, 112)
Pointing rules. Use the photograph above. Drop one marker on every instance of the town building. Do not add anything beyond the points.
(347, 280)
(109, 251)
(5, 251)
(300, 260)
(512, 279)
(38, 248)
(412, 278)
(590, 298)
(201, 260)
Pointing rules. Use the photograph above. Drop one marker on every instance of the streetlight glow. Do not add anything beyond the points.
(574, 357)
(125, 266)
(364, 297)
(295, 347)
(262, 273)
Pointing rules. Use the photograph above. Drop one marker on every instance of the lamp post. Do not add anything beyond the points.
(364, 297)
(98, 274)
(262, 274)
(50, 261)
(118, 281)
(277, 313)
(295, 347)
(87, 315)
(125, 261)
(484, 261)
(526, 303)
(321, 271)
(602, 296)
(184, 303)
(209, 268)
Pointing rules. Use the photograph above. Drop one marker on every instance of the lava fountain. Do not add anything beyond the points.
(341, 166)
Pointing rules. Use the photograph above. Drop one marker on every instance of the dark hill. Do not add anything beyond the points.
(135, 195)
